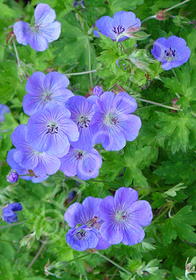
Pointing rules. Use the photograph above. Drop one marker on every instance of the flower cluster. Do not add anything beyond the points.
(44, 30)
(63, 128)
(9, 214)
(98, 223)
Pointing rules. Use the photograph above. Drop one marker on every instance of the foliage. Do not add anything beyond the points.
(160, 164)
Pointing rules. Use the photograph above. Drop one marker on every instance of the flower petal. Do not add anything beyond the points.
(130, 126)
(37, 41)
(125, 103)
(133, 234)
(71, 215)
(35, 84)
(44, 14)
(51, 32)
(21, 29)
(124, 197)
(141, 213)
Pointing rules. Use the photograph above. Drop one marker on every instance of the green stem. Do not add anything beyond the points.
(89, 63)
(115, 264)
(154, 221)
(12, 225)
(38, 253)
(80, 257)
(17, 56)
(158, 104)
(167, 10)
(81, 73)
(175, 6)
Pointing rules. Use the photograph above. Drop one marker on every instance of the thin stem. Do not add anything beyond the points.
(17, 57)
(148, 18)
(38, 253)
(154, 221)
(113, 86)
(80, 257)
(12, 225)
(158, 104)
(89, 63)
(81, 73)
(167, 10)
(175, 6)
(115, 264)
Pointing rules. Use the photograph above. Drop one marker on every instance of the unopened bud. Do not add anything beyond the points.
(12, 177)
(161, 15)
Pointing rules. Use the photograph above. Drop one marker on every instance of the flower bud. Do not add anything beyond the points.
(12, 177)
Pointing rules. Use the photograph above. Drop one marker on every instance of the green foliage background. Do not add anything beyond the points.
(160, 164)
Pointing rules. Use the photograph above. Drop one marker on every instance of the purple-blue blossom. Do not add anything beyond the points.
(12, 177)
(82, 111)
(44, 30)
(51, 130)
(85, 163)
(82, 238)
(124, 217)
(113, 122)
(8, 212)
(45, 89)
(87, 214)
(3, 110)
(26, 174)
(28, 162)
(98, 91)
(116, 26)
(172, 52)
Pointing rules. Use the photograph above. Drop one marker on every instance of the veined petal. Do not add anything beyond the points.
(44, 14)
(124, 198)
(55, 81)
(140, 212)
(105, 26)
(71, 215)
(130, 126)
(133, 234)
(21, 29)
(125, 103)
(35, 84)
(37, 41)
(51, 32)
(112, 232)
(69, 164)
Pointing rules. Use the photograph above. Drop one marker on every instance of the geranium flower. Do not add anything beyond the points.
(172, 52)
(114, 27)
(41, 164)
(8, 212)
(45, 89)
(44, 31)
(124, 217)
(82, 238)
(51, 129)
(83, 163)
(87, 214)
(82, 111)
(113, 123)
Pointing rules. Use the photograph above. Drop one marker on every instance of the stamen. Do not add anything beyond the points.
(52, 129)
(83, 121)
(118, 30)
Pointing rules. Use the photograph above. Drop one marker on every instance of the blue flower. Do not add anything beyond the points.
(172, 52)
(8, 212)
(44, 31)
(85, 163)
(124, 217)
(25, 160)
(82, 238)
(116, 26)
(82, 111)
(97, 91)
(113, 124)
(45, 89)
(51, 130)
(3, 110)
(87, 215)
(12, 177)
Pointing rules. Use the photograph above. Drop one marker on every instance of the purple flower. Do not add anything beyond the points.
(82, 111)
(124, 217)
(44, 31)
(12, 177)
(97, 91)
(82, 238)
(83, 163)
(3, 110)
(51, 129)
(23, 172)
(8, 212)
(172, 52)
(87, 214)
(114, 27)
(113, 123)
(28, 158)
(45, 89)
